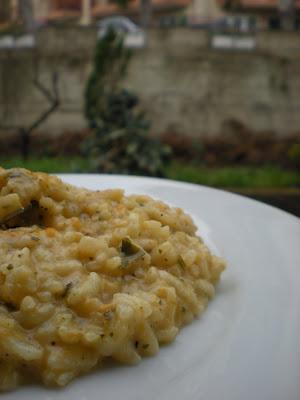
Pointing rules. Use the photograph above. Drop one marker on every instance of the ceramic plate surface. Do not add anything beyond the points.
(246, 345)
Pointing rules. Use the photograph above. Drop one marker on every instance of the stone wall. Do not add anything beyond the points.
(185, 86)
(189, 88)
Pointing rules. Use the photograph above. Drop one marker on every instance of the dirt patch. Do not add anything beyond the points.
(44, 144)
(235, 145)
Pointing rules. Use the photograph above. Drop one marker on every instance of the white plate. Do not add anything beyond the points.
(247, 343)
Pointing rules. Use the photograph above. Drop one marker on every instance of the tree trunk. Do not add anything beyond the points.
(145, 14)
(26, 12)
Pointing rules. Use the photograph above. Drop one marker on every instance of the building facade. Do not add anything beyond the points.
(270, 14)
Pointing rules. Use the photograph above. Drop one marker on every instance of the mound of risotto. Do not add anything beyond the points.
(89, 275)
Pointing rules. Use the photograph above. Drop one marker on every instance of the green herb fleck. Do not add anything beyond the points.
(131, 251)
(181, 262)
(68, 287)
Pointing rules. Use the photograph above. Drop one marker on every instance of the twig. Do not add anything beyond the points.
(54, 100)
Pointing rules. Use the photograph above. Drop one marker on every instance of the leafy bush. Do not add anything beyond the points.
(119, 142)
(294, 154)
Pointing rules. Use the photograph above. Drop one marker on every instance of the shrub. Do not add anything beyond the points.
(294, 154)
(119, 142)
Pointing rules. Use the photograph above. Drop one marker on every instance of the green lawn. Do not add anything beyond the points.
(53, 165)
(234, 177)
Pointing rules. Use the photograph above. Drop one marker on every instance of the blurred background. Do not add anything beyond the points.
(202, 91)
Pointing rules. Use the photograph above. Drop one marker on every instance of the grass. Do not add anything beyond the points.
(230, 177)
(53, 165)
(235, 177)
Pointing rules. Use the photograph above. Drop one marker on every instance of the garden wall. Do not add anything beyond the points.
(185, 86)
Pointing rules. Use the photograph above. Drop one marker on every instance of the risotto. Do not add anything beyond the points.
(86, 276)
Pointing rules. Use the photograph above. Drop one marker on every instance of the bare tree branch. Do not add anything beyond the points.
(55, 84)
(54, 102)
(53, 99)
(43, 90)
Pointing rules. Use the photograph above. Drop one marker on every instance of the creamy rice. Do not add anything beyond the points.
(89, 275)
